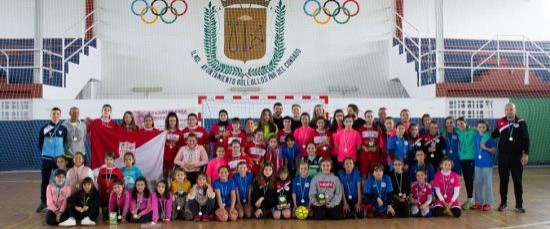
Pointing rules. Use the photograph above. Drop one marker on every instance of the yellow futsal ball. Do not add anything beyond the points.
(302, 212)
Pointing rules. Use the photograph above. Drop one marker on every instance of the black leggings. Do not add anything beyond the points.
(81, 215)
(143, 219)
(51, 217)
(402, 209)
(321, 213)
(468, 173)
(195, 207)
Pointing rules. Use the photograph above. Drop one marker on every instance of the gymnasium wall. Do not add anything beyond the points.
(352, 55)
(536, 109)
(59, 19)
(474, 19)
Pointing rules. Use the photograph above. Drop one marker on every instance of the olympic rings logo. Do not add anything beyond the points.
(164, 13)
(337, 10)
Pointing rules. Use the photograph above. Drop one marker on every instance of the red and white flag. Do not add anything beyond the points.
(148, 148)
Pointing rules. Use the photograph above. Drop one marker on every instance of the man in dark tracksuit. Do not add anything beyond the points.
(51, 142)
(513, 149)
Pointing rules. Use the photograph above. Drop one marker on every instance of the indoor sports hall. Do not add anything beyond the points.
(90, 82)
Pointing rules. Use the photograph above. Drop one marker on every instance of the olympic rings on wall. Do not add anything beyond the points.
(337, 9)
(158, 8)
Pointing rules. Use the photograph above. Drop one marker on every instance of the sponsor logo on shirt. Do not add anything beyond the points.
(326, 184)
(257, 151)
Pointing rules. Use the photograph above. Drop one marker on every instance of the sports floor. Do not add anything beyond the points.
(20, 196)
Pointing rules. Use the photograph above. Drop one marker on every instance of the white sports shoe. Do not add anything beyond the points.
(87, 222)
(68, 223)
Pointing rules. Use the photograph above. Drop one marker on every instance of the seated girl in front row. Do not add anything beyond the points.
(57, 194)
(421, 195)
(161, 203)
(264, 194)
(83, 205)
(201, 199)
(119, 200)
(325, 194)
(226, 196)
(244, 181)
(300, 189)
(141, 203)
(401, 188)
(378, 192)
(351, 186)
(284, 195)
(447, 187)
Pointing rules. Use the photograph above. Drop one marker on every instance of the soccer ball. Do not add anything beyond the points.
(302, 212)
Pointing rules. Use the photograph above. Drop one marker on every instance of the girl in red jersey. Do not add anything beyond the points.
(249, 127)
(371, 139)
(149, 124)
(274, 154)
(237, 157)
(322, 139)
(173, 143)
(105, 178)
(93, 125)
(236, 134)
(256, 151)
(129, 122)
(287, 130)
(105, 119)
(199, 131)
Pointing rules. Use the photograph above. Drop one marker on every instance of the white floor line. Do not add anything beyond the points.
(524, 225)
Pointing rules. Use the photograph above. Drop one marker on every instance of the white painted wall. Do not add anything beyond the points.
(59, 18)
(140, 55)
(475, 19)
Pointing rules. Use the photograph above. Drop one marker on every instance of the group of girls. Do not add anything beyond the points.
(350, 168)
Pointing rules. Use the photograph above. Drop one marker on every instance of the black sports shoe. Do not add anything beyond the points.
(41, 207)
(502, 207)
(520, 209)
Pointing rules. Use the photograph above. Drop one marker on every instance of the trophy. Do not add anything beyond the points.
(282, 200)
(113, 218)
(321, 198)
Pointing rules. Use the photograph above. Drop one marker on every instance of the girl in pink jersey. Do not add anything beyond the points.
(447, 188)
(347, 141)
(304, 134)
(119, 201)
(215, 164)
